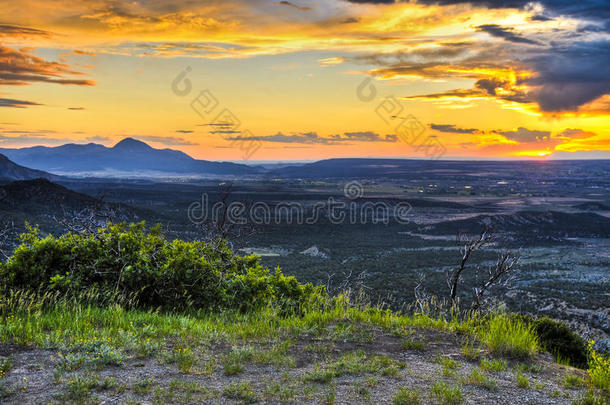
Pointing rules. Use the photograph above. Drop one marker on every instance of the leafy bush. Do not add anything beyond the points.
(510, 337)
(599, 368)
(131, 261)
(558, 339)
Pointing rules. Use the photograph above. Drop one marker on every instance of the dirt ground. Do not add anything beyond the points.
(35, 378)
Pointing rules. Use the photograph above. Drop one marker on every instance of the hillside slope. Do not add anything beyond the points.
(43, 202)
(339, 361)
(10, 171)
(131, 316)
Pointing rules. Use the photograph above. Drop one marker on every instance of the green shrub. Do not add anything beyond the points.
(559, 340)
(509, 337)
(133, 262)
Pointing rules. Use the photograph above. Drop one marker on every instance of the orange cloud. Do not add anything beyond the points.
(19, 68)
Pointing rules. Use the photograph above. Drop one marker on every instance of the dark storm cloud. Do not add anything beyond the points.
(490, 85)
(506, 33)
(564, 75)
(540, 17)
(602, 27)
(591, 9)
(569, 76)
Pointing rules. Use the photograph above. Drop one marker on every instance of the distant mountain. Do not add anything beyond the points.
(439, 169)
(10, 171)
(526, 224)
(129, 156)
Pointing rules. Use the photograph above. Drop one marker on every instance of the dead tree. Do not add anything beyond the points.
(349, 281)
(469, 245)
(7, 234)
(89, 219)
(227, 221)
(422, 298)
(497, 274)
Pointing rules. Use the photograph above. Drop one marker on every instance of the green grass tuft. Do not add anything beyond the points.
(572, 381)
(241, 392)
(493, 365)
(406, 396)
(409, 344)
(509, 337)
(446, 394)
(522, 381)
(478, 378)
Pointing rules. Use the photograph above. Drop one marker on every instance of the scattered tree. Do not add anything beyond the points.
(89, 219)
(227, 221)
(7, 236)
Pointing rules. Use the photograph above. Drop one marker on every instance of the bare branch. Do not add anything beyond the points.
(89, 219)
(469, 245)
(503, 269)
(222, 225)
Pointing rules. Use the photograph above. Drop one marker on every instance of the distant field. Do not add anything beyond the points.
(564, 246)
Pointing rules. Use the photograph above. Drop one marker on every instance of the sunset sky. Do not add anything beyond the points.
(297, 80)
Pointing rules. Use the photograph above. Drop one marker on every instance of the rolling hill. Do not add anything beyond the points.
(40, 201)
(10, 171)
(342, 168)
(128, 157)
(530, 224)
